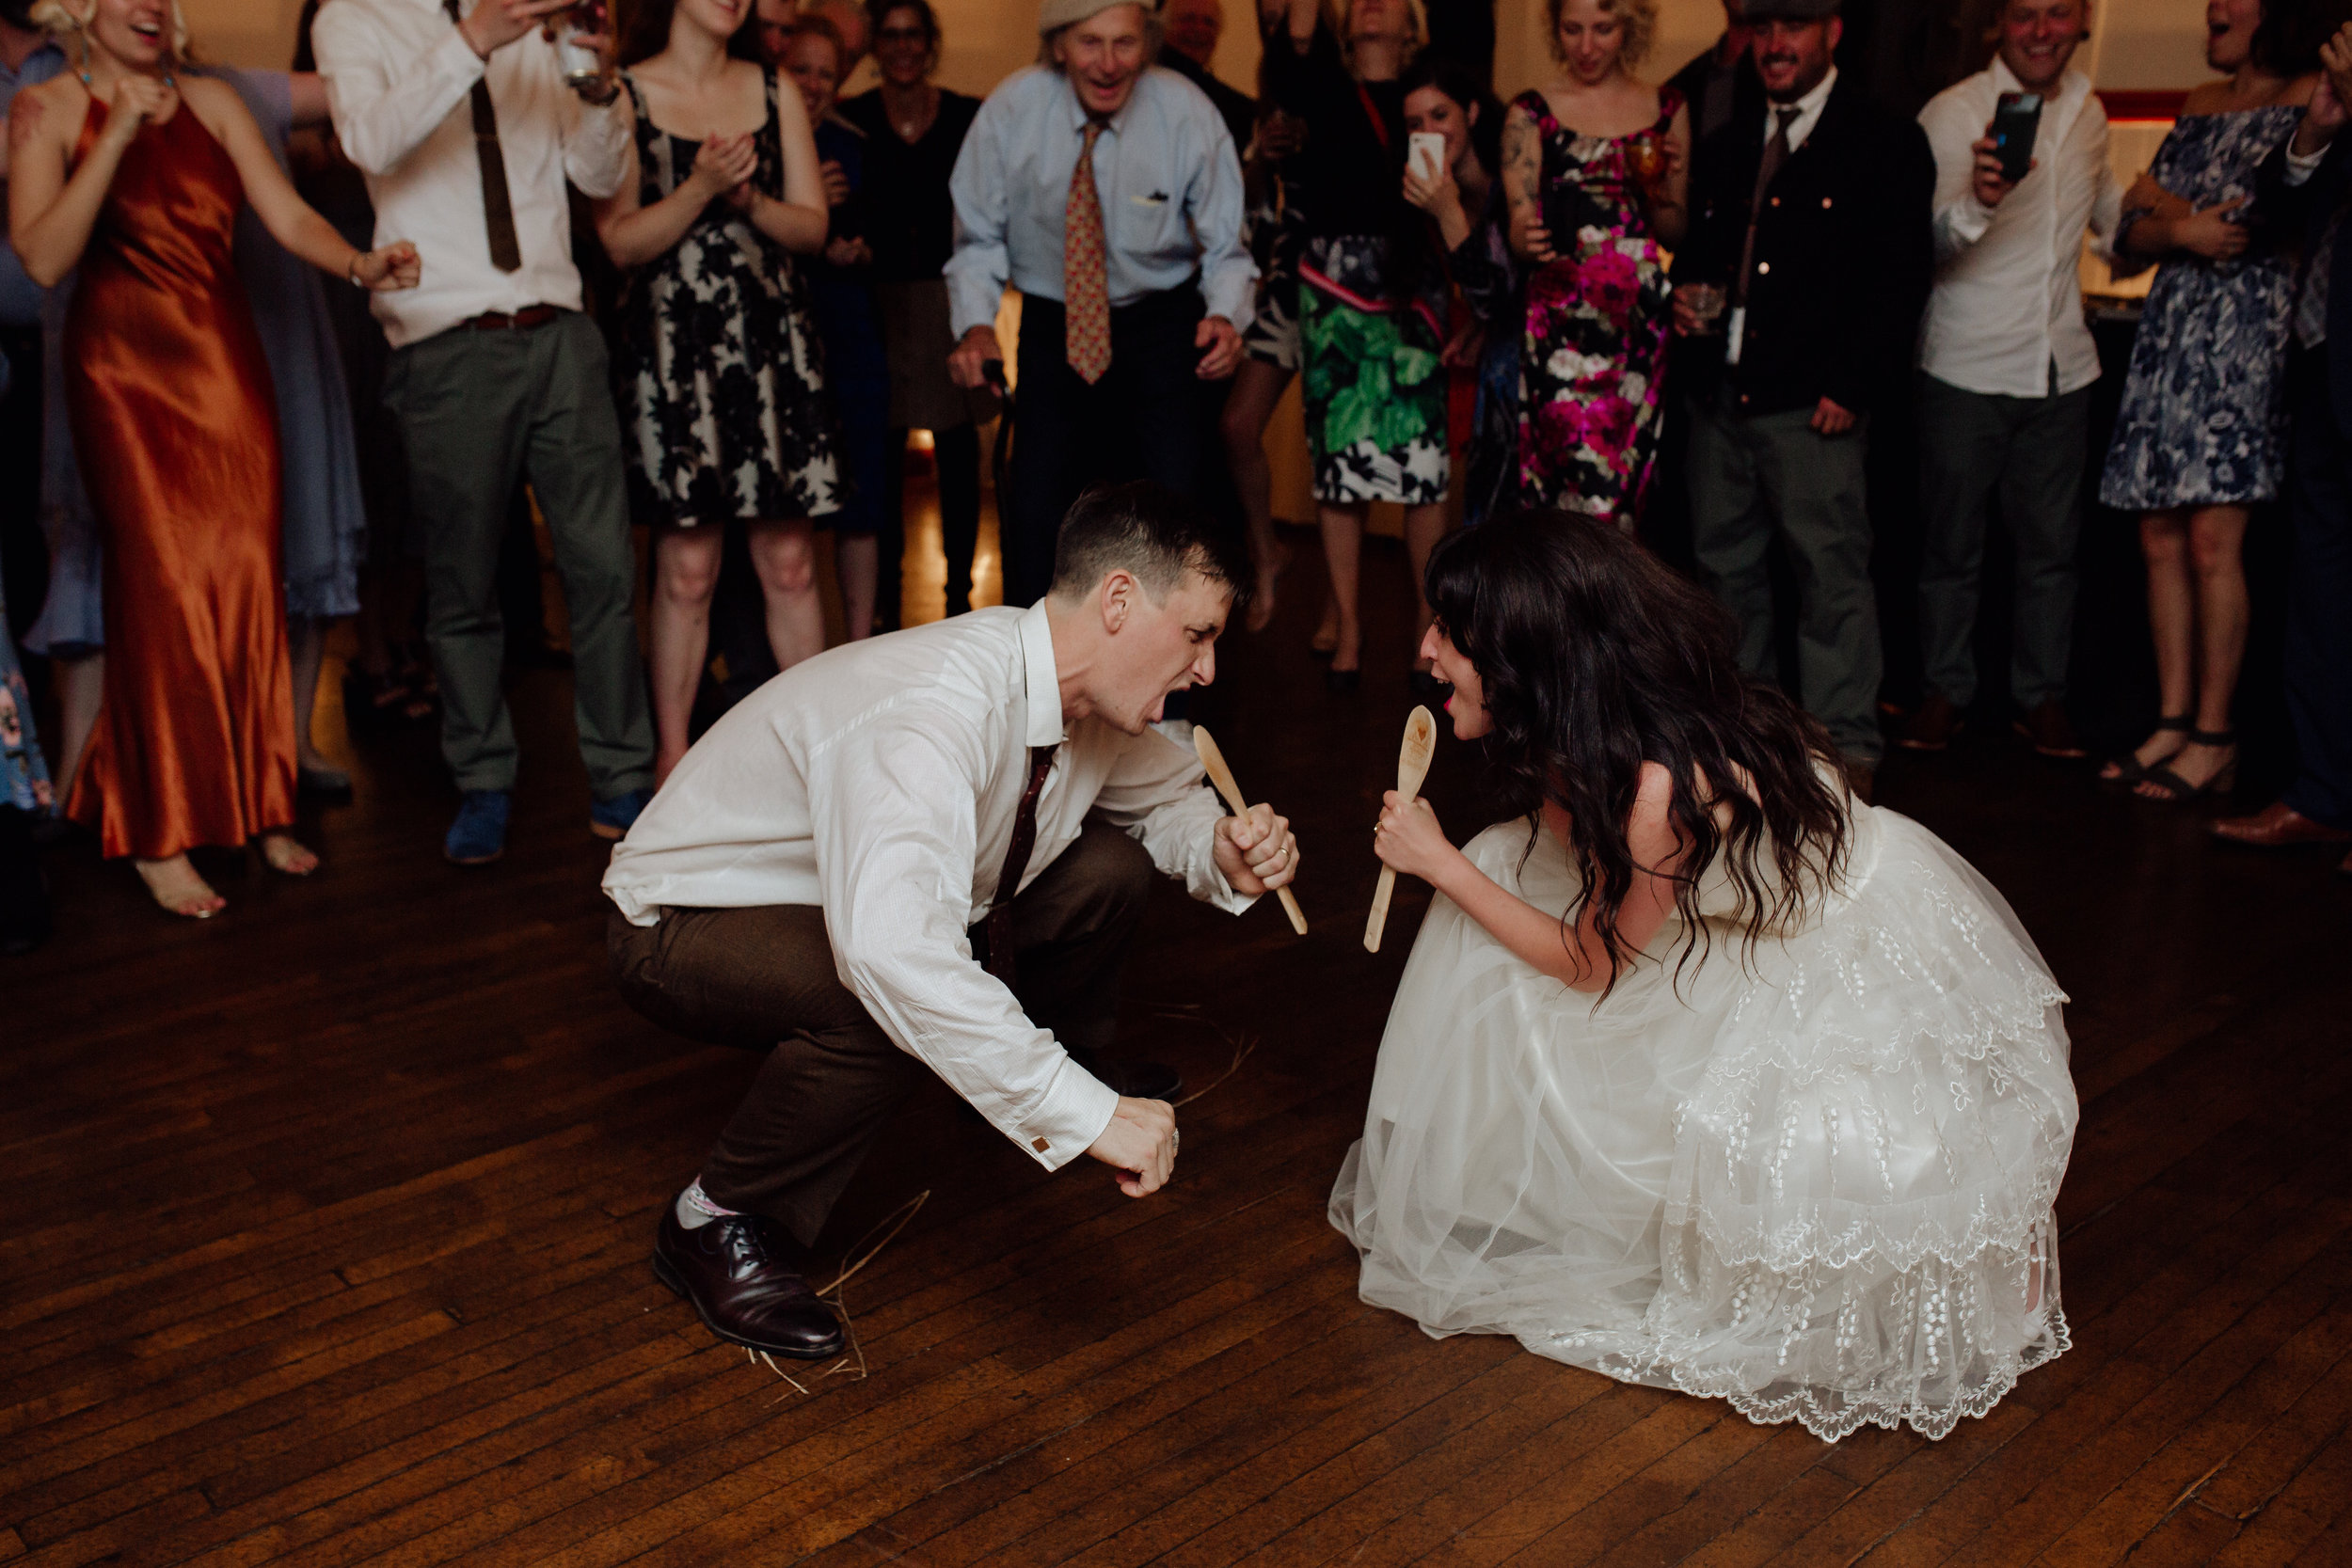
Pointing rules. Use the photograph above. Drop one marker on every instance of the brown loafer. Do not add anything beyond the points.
(1931, 726)
(2277, 825)
(745, 1277)
(2048, 730)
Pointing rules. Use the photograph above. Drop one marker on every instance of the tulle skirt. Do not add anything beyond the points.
(1814, 1177)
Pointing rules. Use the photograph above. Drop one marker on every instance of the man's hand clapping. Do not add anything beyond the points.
(1256, 852)
(1140, 1145)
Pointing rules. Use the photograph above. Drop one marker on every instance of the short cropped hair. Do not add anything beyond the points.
(1147, 530)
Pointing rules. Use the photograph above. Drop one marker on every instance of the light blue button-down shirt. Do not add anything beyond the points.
(20, 296)
(1164, 166)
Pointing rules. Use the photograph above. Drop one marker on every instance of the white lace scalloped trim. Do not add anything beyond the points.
(1833, 1411)
(1793, 1246)
(1832, 1414)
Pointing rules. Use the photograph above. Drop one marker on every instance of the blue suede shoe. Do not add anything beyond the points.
(613, 820)
(479, 834)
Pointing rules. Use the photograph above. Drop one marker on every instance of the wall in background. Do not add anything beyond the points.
(2135, 43)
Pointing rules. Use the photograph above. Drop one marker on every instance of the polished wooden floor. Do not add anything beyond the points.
(325, 1231)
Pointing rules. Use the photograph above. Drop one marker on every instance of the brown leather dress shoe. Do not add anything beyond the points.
(2048, 731)
(2277, 825)
(745, 1277)
(1932, 725)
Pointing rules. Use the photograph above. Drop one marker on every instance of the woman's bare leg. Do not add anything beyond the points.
(2214, 563)
(857, 564)
(2171, 623)
(81, 684)
(1423, 527)
(1342, 558)
(1257, 388)
(686, 573)
(785, 556)
(305, 647)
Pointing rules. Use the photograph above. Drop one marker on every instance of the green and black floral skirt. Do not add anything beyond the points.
(1375, 386)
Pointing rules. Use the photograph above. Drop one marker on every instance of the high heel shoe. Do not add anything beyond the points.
(2129, 769)
(2178, 790)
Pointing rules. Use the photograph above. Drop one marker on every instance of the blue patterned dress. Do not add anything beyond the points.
(2202, 423)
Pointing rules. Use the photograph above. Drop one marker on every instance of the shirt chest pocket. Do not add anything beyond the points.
(1153, 219)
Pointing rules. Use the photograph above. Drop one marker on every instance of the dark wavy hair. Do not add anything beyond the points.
(2286, 41)
(1455, 80)
(1596, 657)
(645, 32)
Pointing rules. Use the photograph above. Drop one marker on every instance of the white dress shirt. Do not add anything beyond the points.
(880, 782)
(400, 82)
(1165, 169)
(2008, 298)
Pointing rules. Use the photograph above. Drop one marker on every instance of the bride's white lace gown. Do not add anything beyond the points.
(1815, 1180)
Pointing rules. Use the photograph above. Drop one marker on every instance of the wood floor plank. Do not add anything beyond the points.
(363, 1175)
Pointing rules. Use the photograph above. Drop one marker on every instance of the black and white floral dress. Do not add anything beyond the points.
(2202, 422)
(720, 369)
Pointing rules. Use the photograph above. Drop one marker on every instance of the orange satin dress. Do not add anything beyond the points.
(176, 427)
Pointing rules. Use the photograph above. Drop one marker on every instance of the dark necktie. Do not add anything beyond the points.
(1775, 154)
(498, 207)
(1016, 862)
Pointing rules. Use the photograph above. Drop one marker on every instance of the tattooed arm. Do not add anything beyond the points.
(1523, 185)
(1669, 198)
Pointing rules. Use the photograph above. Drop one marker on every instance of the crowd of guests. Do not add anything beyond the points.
(292, 346)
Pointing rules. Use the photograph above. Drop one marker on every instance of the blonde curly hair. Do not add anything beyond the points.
(1640, 18)
(59, 19)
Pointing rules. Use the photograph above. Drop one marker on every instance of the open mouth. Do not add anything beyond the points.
(152, 31)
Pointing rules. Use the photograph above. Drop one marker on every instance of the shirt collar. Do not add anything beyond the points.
(1042, 680)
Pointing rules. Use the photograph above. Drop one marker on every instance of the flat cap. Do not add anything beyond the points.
(1056, 14)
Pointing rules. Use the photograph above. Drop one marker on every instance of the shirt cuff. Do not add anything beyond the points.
(454, 58)
(1068, 1116)
(1968, 219)
(2301, 169)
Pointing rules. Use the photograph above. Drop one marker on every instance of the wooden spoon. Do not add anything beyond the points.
(1412, 765)
(1222, 776)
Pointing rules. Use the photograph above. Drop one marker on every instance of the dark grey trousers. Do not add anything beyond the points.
(1976, 448)
(764, 978)
(480, 412)
(1754, 477)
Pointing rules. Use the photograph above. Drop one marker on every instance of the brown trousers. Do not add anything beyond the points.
(763, 978)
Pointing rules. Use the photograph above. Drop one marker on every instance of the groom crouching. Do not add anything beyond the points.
(930, 850)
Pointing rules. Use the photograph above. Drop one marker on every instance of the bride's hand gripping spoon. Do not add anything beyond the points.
(1222, 776)
(1412, 765)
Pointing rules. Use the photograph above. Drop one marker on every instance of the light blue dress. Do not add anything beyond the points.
(325, 520)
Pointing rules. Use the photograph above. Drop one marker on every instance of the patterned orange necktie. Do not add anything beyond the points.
(1084, 281)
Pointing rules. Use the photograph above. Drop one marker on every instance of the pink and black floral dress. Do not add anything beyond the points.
(1594, 348)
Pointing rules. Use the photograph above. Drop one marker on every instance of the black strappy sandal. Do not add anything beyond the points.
(2128, 770)
(2179, 791)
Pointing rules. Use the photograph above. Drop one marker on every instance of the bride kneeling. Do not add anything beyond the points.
(1702, 1073)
